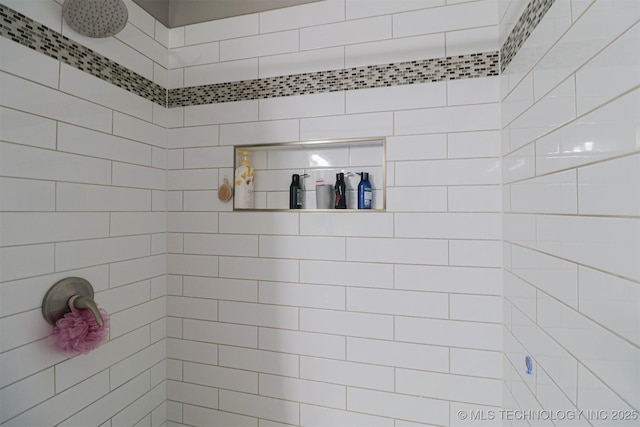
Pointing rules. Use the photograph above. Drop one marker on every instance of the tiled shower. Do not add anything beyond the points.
(511, 228)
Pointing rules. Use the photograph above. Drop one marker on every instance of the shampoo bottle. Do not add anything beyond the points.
(341, 192)
(244, 184)
(365, 196)
(295, 192)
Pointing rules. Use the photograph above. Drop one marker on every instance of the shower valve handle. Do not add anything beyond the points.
(87, 303)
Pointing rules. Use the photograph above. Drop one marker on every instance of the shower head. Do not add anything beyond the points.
(95, 18)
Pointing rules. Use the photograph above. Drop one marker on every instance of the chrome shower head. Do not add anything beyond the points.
(95, 18)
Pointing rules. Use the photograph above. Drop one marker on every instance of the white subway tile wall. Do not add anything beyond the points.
(571, 224)
(82, 162)
(315, 311)
(331, 34)
(313, 319)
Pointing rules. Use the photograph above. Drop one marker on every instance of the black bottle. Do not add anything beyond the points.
(295, 192)
(341, 192)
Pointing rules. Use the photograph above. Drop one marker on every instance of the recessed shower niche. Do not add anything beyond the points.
(317, 163)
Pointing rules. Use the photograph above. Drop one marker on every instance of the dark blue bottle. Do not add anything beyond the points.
(365, 195)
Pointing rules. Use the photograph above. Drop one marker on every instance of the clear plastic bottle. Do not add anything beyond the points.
(365, 195)
(243, 183)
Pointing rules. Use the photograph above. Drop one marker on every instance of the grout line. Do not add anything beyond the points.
(574, 167)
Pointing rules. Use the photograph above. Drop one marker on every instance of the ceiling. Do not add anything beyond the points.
(176, 13)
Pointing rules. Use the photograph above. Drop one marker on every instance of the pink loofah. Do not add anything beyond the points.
(78, 332)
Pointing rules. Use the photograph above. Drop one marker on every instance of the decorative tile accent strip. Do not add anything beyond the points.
(528, 21)
(422, 71)
(21, 29)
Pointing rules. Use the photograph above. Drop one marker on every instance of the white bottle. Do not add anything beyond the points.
(243, 197)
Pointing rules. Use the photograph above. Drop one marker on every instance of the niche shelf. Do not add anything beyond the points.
(273, 165)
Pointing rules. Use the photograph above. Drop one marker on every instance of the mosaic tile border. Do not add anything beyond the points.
(528, 21)
(423, 71)
(21, 29)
